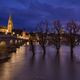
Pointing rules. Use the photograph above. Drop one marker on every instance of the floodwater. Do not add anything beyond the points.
(24, 66)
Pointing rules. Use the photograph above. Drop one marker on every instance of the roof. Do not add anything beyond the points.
(3, 27)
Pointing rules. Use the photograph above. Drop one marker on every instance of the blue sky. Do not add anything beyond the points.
(27, 13)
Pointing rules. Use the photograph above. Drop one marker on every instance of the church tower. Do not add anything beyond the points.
(10, 25)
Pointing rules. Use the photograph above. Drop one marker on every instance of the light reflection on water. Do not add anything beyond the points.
(22, 66)
(8, 69)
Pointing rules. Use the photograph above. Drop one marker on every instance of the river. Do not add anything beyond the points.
(22, 66)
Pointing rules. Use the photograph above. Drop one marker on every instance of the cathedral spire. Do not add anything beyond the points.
(10, 24)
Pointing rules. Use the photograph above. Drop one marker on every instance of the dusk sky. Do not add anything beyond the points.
(27, 13)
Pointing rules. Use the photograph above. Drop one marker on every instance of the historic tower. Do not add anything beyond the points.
(10, 25)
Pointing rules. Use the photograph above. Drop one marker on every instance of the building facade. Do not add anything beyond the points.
(8, 28)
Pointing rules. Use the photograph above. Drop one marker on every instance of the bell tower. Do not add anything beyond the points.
(10, 25)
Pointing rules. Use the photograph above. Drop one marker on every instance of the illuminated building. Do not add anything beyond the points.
(25, 35)
(21, 34)
(14, 32)
(10, 25)
(8, 28)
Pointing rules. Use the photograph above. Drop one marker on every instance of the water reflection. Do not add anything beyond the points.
(24, 66)
(8, 69)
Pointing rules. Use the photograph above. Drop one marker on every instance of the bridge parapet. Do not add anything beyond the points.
(12, 40)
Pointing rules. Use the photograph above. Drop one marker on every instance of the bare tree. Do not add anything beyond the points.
(72, 30)
(42, 33)
(57, 35)
(32, 47)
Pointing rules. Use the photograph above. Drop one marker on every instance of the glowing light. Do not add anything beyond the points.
(6, 32)
(27, 43)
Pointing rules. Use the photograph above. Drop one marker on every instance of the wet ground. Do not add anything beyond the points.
(23, 66)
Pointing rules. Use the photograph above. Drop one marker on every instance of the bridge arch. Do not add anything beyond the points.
(11, 41)
(3, 43)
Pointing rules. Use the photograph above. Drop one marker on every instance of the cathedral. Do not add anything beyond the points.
(17, 32)
(8, 28)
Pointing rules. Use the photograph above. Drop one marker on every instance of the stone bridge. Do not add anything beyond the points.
(12, 40)
(8, 44)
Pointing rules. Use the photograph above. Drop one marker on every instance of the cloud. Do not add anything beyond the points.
(27, 13)
(11, 4)
(61, 2)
